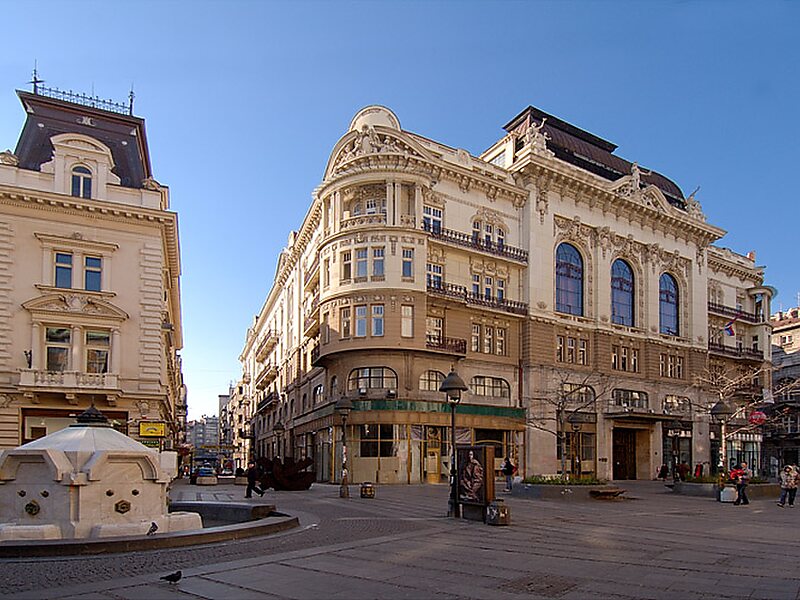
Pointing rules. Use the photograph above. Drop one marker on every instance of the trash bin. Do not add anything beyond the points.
(727, 494)
(497, 513)
(367, 490)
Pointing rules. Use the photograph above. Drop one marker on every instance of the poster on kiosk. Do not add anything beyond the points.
(475, 475)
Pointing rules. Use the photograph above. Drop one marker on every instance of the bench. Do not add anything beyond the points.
(606, 493)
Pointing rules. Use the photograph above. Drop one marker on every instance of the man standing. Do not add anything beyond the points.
(742, 479)
(252, 481)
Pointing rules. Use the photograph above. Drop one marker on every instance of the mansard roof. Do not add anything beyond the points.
(47, 117)
(589, 152)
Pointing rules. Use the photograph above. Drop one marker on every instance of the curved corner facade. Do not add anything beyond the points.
(556, 278)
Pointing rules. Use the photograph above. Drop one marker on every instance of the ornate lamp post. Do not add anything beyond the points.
(452, 386)
(675, 427)
(722, 412)
(278, 430)
(343, 407)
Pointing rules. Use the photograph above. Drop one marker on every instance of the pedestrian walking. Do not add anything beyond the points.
(742, 479)
(252, 481)
(508, 470)
(663, 472)
(790, 478)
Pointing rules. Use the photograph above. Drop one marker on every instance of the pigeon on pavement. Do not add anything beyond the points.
(153, 528)
(173, 577)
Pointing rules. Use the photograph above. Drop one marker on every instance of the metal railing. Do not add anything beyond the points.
(459, 292)
(734, 313)
(446, 344)
(86, 100)
(472, 241)
(735, 352)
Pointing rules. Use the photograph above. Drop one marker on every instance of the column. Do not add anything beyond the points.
(116, 351)
(390, 196)
(337, 211)
(37, 347)
(417, 208)
(77, 349)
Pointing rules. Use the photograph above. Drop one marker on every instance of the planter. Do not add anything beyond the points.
(711, 490)
(566, 492)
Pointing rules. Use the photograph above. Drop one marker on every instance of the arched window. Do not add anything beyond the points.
(430, 381)
(372, 378)
(569, 280)
(668, 305)
(621, 293)
(81, 182)
(490, 386)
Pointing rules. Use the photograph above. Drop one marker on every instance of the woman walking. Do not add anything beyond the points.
(790, 478)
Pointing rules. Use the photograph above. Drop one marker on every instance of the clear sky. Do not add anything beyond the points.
(244, 101)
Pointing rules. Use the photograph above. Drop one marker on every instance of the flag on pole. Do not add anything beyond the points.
(729, 328)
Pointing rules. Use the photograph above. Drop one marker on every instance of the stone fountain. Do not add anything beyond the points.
(87, 481)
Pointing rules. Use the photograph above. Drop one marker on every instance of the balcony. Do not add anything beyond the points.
(312, 273)
(68, 380)
(460, 293)
(265, 402)
(733, 352)
(734, 313)
(446, 344)
(266, 376)
(311, 319)
(475, 243)
(267, 343)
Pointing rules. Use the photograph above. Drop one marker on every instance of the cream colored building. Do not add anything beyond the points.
(546, 265)
(89, 276)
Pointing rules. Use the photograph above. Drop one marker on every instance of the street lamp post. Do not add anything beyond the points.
(452, 386)
(722, 412)
(278, 430)
(343, 407)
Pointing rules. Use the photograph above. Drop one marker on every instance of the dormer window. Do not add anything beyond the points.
(81, 182)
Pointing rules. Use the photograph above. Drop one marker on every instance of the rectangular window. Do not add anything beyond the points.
(488, 339)
(615, 357)
(58, 341)
(475, 344)
(434, 329)
(432, 219)
(377, 319)
(583, 358)
(407, 323)
(344, 321)
(679, 367)
(500, 345)
(662, 365)
(361, 321)
(623, 361)
(98, 344)
(571, 350)
(408, 263)
(92, 273)
(501, 289)
(326, 329)
(377, 262)
(326, 272)
(434, 275)
(634, 360)
(347, 266)
(63, 276)
(361, 263)
(488, 286)
(560, 348)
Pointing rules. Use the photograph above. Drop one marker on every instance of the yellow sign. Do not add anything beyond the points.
(152, 429)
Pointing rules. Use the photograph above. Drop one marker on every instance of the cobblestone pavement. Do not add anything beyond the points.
(400, 545)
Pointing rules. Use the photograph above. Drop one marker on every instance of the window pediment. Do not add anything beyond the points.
(74, 303)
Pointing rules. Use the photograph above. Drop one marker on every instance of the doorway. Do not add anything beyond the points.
(624, 454)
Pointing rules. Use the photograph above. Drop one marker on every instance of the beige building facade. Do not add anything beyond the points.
(556, 278)
(90, 270)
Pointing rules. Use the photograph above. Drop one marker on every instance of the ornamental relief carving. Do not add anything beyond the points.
(436, 255)
(492, 217)
(431, 197)
(76, 304)
(488, 267)
(368, 141)
(572, 228)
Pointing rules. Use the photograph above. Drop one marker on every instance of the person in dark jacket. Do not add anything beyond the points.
(252, 481)
(741, 477)
(508, 469)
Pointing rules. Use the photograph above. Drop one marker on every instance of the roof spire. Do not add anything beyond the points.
(131, 96)
(35, 81)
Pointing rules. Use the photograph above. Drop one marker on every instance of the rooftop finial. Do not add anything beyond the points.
(35, 80)
(131, 96)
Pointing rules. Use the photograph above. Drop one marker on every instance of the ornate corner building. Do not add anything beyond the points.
(89, 276)
(554, 276)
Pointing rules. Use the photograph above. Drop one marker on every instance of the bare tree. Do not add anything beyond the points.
(572, 394)
(737, 393)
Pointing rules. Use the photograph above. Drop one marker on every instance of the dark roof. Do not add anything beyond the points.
(131, 160)
(589, 152)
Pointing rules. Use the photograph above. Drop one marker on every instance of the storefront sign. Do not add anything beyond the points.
(152, 429)
(151, 443)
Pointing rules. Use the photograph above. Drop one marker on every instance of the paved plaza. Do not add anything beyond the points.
(400, 545)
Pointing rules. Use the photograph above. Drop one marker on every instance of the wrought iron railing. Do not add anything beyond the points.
(86, 100)
(446, 344)
(735, 352)
(734, 313)
(472, 241)
(459, 292)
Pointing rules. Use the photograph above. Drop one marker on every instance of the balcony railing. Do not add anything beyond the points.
(312, 273)
(68, 379)
(471, 241)
(734, 313)
(446, 344)
(735, 352)
(459, 292)
(266, 376)
(265, 402)
(267, 343)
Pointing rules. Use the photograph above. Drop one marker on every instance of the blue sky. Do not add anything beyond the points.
(245, 100)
